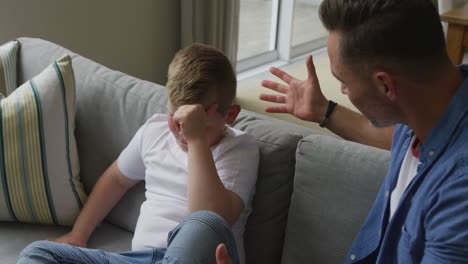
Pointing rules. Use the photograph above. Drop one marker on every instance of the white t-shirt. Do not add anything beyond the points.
(408, 171)
(153, 155)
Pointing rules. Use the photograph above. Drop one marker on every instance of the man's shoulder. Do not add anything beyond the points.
(456, 152)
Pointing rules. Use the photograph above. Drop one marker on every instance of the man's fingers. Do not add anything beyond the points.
(276, 109)
(222, 256)
(281, 74)
(275, 86)
(273, 98)
(312, 75)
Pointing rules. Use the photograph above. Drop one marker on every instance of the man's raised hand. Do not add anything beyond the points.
(301, 98)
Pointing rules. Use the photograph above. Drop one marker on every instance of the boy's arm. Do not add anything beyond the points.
(110, 187)
(205, 189)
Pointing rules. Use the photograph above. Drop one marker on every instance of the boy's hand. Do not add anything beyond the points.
(192, 120)
(71, 239)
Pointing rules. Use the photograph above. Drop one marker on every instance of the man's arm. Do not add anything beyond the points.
(355, 127)
(305, 100)
(109, 189)
(205, 189)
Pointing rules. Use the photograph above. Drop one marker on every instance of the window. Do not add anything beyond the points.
(272, 30)
(258, 33)
(307, 31)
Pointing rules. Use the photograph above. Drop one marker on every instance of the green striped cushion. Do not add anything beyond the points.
(8, 68)
(39, 170)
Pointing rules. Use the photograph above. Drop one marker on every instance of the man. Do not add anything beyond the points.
(391, 60)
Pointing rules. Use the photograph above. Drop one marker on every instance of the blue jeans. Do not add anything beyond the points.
(194, 240)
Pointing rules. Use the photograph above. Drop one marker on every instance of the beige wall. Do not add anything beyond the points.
(138, 37)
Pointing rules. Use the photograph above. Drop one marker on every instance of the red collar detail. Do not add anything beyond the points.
(415, 148)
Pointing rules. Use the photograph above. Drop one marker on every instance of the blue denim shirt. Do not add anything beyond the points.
(430, 224)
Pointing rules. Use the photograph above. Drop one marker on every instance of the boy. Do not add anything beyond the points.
(191, 161)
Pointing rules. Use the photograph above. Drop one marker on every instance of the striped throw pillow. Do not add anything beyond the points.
(8, 68)
(39, 169)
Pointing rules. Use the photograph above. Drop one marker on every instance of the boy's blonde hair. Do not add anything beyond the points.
(200, 74)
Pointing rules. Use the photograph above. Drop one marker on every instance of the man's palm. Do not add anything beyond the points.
(303, 99)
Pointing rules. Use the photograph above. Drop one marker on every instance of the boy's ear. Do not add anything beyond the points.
(232, 114)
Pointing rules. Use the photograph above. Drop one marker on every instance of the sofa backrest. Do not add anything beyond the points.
(111, 106)
(265, 228)
(335, 185)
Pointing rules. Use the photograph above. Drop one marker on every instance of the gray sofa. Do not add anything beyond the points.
(313, 190)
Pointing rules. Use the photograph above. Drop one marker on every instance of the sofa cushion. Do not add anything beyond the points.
(335, 185)
(39, 168)
(15, 237)
(8, 54)
(277, 141)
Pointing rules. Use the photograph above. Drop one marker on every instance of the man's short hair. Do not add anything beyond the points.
(200, 74)
(405, 35)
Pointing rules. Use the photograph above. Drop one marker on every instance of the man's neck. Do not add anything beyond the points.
(429, 102)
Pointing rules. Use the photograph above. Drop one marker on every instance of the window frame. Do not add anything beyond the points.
(281, 47)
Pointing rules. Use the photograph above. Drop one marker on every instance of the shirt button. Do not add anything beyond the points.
(386, 194)
(352, 257)
(403, 228)
(431, 153)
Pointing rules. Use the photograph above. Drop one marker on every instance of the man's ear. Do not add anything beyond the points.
(232, 114)
(386, 84)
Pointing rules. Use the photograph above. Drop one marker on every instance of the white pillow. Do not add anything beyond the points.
(8, 55)
(39, 169)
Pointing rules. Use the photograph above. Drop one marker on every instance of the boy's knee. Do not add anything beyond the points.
(208, 217)
(36, 249)
(204, 224)
(196, 238)
(208, 220)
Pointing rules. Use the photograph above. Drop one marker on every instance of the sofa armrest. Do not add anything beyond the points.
(335, 185)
